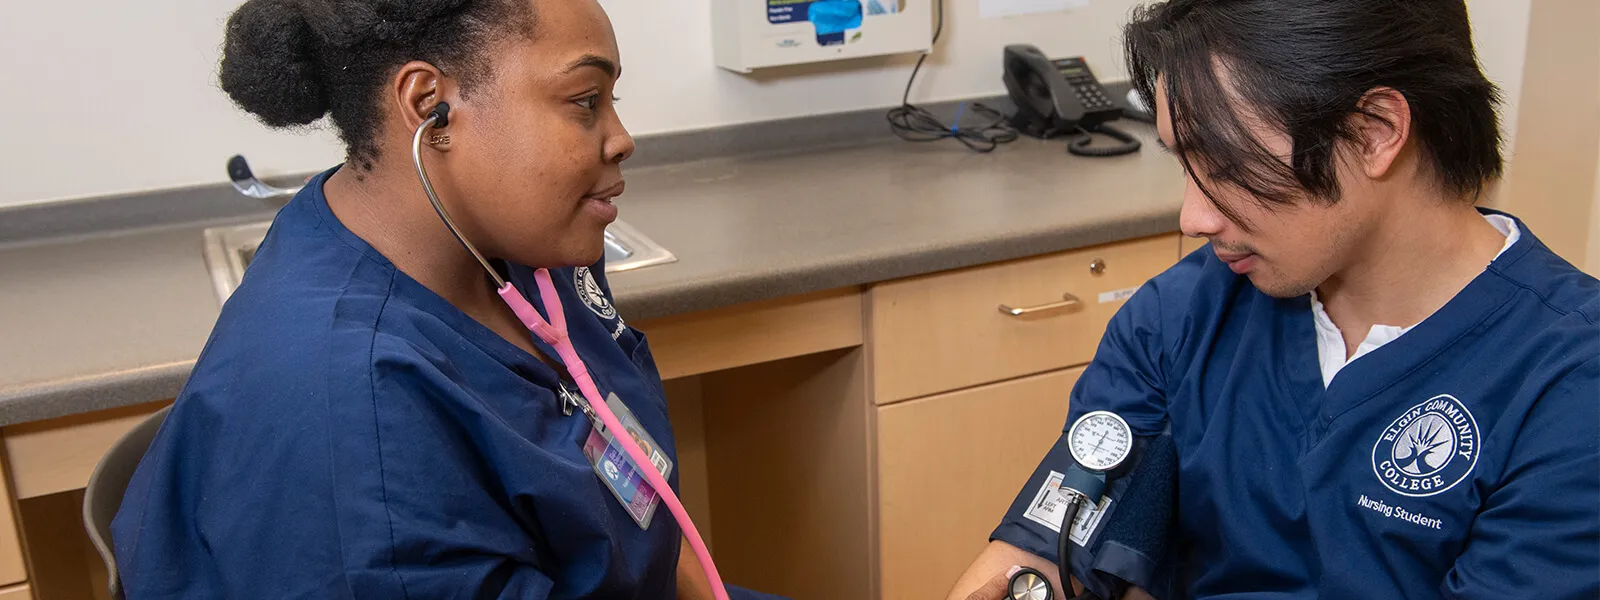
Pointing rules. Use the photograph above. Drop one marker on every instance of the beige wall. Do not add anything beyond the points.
(1553, 161)
(1500, 36)
(117, 96)
(1593, 266)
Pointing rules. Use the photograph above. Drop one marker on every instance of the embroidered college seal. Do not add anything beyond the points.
(1429, 449)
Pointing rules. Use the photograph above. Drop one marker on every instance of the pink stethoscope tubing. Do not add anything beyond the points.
(554, 333)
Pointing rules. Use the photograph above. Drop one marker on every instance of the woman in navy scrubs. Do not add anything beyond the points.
(369, 419)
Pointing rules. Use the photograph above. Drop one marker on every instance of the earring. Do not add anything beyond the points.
(443, 138)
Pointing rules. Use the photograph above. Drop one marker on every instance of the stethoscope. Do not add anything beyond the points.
(554, 332)
(1099, 442)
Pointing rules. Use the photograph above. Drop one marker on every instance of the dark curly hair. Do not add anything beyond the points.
(1304, 66)
(289, 62)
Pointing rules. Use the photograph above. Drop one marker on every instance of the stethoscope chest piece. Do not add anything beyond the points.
(1029, 584)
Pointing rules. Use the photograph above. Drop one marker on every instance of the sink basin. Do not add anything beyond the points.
(229, 250)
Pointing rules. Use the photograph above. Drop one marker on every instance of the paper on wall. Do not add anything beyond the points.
(992, 9)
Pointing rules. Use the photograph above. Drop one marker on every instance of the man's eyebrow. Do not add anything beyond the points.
(611, 69)
(1164, 147)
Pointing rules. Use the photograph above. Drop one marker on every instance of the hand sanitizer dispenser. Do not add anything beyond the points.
(751, 34)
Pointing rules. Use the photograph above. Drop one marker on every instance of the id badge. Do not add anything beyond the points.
(612, 464)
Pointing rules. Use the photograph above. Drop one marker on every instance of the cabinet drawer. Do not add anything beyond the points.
(949, 466)
(947, 331)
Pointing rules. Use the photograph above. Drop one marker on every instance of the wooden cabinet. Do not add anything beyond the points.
(951, 330)
(834, 445)
(12, 568)
(949, 465)
(969, 397)
(1188, 244)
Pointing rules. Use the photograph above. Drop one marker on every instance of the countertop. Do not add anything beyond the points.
(101, 320)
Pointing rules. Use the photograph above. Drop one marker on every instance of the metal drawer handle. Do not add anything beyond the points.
(1067, 300)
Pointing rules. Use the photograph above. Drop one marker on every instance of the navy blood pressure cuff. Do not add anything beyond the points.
(1108, 548)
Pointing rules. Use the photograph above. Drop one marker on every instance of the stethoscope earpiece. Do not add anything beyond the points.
(440, 114)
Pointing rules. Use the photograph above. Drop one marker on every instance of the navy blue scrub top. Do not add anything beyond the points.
(1461, 460)
(347, 433)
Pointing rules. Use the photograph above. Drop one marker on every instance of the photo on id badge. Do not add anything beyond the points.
(620, 475)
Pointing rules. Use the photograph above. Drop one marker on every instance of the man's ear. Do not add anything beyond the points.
(1382, 127)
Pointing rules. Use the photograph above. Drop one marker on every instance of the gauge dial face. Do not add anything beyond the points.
(1100, 440)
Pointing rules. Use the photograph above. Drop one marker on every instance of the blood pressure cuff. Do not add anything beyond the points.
(1120, 542)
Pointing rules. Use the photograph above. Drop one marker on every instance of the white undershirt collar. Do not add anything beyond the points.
(1330, 341)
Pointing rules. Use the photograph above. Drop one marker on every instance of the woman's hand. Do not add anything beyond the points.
(995, 588)
(987, 577)
(692, 582)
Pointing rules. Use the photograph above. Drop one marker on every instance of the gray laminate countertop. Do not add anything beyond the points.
(99, 320)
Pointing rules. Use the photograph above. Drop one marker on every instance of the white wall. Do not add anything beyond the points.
(108, 96)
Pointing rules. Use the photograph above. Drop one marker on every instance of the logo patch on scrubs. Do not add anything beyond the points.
(589, 290)
(1429, 449)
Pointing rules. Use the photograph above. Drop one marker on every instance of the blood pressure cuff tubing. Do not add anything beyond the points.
(1127, 543)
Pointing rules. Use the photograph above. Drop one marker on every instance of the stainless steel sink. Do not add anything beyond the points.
(229, 250)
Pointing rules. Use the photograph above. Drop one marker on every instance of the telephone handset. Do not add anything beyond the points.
(1060, 97)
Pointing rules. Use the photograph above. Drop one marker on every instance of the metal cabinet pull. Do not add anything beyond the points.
(1067, 300)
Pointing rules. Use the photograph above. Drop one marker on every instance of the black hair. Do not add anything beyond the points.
(1303, 67)
(289, 62)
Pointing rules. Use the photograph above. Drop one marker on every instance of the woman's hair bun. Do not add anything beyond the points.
(290, 62)
(269, 64)
(399, 23)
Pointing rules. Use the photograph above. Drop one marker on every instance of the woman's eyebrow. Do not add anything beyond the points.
(610, 68)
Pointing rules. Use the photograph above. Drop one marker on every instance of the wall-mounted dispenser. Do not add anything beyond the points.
(751, 34)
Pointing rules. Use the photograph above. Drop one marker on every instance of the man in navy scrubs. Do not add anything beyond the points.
(1375, 388)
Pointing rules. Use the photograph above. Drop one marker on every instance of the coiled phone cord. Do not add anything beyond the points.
(1081, 146)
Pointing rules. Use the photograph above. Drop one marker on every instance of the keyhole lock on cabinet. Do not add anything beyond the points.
(1097, 267)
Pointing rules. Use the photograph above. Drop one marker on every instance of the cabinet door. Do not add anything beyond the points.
(949, 466)
(12, 568)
